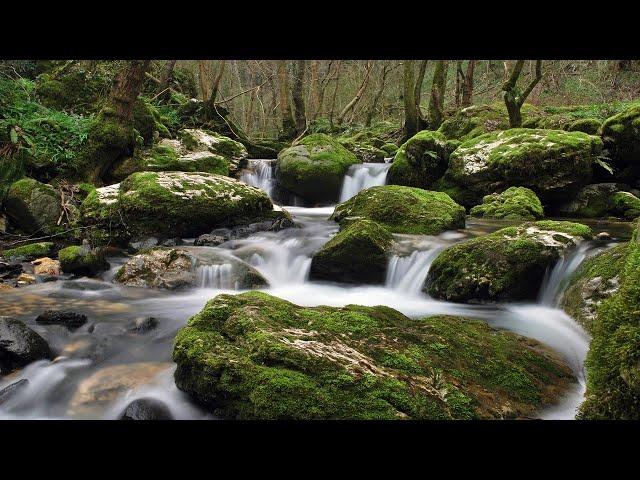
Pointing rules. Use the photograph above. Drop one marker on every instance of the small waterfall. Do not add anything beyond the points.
(408, 273)
(555, 281)
(260, 174)
(216, 276)
(361, 176)
(282, 265)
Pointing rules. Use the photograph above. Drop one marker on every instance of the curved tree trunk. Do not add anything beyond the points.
(354, 101)
(410, 106)
(288, 129)
(298, 99)
(467, 88)
(436, 103)
(513, 97)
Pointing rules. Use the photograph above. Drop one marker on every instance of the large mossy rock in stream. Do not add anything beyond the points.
(172, 204)
(509, 264)
(19, 345)
(621, 135)
(178, 268)
(611, 285)
(402, 210)
(29, 252)
(602, 200)
(255, 356)
(515, 203)
(357, 254)
(421, 160)
(33, 206)
(552, 163)
(314, 168)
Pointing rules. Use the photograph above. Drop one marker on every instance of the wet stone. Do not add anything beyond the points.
(143, 325)
(146, 409)
(71, 320)
(11, 390)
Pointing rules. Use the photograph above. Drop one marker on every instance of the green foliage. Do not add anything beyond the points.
(46, 141)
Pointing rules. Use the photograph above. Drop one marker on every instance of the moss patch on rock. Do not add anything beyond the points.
(33, 206)
(402, 210)
(314, 168)
(30, 251)
(82, 260)
(515, 203)
(621, 135)
(255, 356)
(550, 162)
(421, 160)
(357, 254)
(613, 372)
(509, 264)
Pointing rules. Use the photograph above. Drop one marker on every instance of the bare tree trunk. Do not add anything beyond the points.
(166, 79)
(410, 110)
(436, 104)
(126, 89)
(467, 89)
(216, 82)
(459, 83)
(354, 101)
(335, 92)
(513, 97)
(298, 99)
(323, 87)
(288, 125)
(376, 99)
(203, 77)
(314, 88)
(422, 69)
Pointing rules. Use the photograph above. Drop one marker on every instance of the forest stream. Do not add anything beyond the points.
(68, 387)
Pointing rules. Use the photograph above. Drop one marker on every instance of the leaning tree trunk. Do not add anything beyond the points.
(436, 103)
(354, 101)
(112, 136)
(167, 75)
(298, 99)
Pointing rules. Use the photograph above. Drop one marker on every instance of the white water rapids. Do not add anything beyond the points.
(283, 258)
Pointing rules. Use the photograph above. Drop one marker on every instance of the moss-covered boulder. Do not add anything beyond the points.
(509, 264)
(82, 260)
(621, 135)
(29, 252)
(402, 210)
(476, 120)
(148, 121)
(254, 356)
(33, 206)
(367, 145)
(600, 200)
(357, 254)
(314, 168)
(550, 162)
(613, 361)
(172, 204)
(171, 156)
(421, 160)
(515, 203)
(234, 152)
(171, 269)
(597, 278)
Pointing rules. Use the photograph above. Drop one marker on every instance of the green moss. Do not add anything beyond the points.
(357, 254)
(550, 162)
(421, 160)
(33, 206)
(403, 210)
(612, 363)
(147, 120)
(315, 168)
(620, 134)
(626, 204)
(81, 260)
(77, 90)
(509, 264)
(515, 203)
(254, 356)
(31, 251)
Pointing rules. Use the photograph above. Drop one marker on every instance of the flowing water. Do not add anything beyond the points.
(361, 176)
(87, 380)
